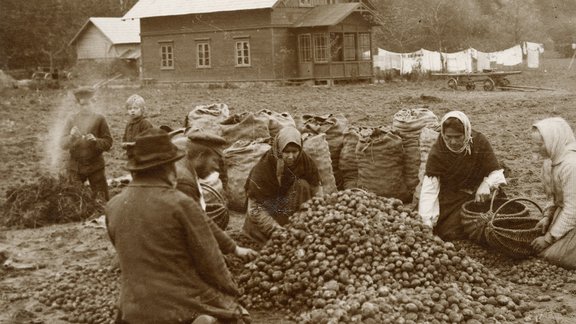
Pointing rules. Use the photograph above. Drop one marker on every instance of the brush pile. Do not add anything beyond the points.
(352, 256)
(49, 200)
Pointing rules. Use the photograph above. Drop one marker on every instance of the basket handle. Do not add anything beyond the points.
(516, 199)
(493, 198)
(213, 191)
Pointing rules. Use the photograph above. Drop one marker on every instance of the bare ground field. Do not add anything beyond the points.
(29, 122)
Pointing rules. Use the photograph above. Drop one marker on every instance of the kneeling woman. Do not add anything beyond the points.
(554, 140)
(461, 166)
(279, 183)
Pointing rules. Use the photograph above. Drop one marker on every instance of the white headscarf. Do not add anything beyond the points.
(467, 131)
(558, 139)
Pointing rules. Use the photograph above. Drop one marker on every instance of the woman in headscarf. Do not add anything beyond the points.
(283, 179)
(461, 166)
(554, 140)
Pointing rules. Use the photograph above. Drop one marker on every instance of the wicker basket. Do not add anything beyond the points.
(513, 235)
(218, 210)
(475, 216)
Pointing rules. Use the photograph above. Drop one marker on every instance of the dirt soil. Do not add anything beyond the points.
(30, 121)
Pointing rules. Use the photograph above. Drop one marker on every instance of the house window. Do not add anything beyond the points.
(349, 47)
(166, 56)
(243, 53)
(203, 55)
(305, 48)
(320, 48)
(364, 46)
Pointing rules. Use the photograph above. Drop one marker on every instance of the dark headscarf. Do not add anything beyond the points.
(270, 179)
(466, 168)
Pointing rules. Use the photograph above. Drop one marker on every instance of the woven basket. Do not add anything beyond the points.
(475, 216)
(218, 211)
(513, 235)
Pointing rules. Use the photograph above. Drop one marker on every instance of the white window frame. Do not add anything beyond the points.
(321, 45)
(166, 55)
(305, 52)
(242, 53)
(364, 45)
(203, 55)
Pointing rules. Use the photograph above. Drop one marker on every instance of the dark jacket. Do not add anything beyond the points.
(171, 264)
(134, 128)
(85, 155)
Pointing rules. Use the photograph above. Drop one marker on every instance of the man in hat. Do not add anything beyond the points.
(203, 157)
(86, 137)
(172, 268)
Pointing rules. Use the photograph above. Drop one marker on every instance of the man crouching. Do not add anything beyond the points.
(172, 268)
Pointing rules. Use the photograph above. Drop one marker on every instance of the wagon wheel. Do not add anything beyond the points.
(489, 84)
(453, 83)
(470, 86)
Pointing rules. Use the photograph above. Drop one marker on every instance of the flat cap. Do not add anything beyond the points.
(84, 92)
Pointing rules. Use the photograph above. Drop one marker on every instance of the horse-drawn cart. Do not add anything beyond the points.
(490, 79)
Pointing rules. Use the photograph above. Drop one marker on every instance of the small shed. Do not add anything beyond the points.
(107, 38)
(255, 40)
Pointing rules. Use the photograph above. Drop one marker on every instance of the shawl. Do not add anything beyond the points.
(558, 140)
(464, 169)
(270, 179)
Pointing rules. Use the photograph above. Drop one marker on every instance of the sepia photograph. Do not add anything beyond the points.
(287, 161)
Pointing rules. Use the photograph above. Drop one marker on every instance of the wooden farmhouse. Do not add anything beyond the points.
(107, 38)
(255, 40)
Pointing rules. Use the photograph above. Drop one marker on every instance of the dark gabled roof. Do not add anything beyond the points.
(329, 15)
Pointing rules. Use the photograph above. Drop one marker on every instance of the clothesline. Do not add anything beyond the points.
(469, 60)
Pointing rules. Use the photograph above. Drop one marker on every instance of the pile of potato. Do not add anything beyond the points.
(85, 294)
(354, 256)
(531, 272)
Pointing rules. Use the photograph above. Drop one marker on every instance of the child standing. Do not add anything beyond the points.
(86, 137)
(137, 123)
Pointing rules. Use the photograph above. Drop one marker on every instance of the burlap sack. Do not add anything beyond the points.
(246, 127)
(348, 163)
(380, 164)
(427, 138)
(333, 125)
(240, 158)
(207, 117)
(317, 148)
(276, 120)
(408, 123)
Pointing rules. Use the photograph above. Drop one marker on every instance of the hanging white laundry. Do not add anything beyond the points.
(408, 64)
(431, 61)
(533, 51)
(458, 62)
(386, 60)
(482, 61)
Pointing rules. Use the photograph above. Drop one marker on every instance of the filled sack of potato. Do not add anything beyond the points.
(239, 159)
(245, 126)
(408, 123)
(317, 148)
(333, 125)
(276, 120)
(380, 164)
(207, 117)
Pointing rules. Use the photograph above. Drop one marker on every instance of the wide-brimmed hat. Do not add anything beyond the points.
(152, 148)
(84, 93)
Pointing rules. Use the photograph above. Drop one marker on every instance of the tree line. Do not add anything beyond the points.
(37, 32)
